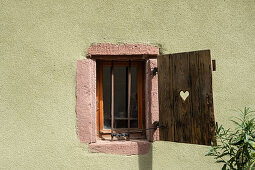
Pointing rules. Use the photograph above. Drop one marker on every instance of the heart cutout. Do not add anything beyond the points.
(184, 95)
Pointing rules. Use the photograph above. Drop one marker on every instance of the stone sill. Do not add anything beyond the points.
(133, 147)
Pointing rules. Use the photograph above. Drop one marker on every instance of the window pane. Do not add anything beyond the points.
(133, 98)
(120, 96)
(121, 123)
(107, 92)
(133, 124)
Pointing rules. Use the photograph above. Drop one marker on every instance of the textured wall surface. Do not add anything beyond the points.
(41, 41)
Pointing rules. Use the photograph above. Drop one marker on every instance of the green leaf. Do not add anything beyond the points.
(231, 160)
(224, 154)
(241, 120)
(224, 167)
(253, 118)
(236, 147)
(220, 161)
(237, 123)
(238, 142)
(252, 144)
(246, 138)
(231, 151)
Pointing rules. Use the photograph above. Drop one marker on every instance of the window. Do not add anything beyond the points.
(88, 108)
(120, 98)
(123, 77)
(141, 59)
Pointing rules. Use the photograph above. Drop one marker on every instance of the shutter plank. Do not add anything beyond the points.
(195, 112)
(172, 126)
(206, 95)
(181, 107)
(164, 95)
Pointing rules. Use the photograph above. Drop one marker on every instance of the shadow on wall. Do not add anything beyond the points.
(145, 161)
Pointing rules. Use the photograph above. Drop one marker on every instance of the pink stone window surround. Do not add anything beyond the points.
(86, 98)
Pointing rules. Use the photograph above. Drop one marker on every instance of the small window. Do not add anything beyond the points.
(120, 101)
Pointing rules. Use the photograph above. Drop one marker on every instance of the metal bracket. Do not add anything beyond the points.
(120, 134)
(155, 71)
(127, 134)
(156, 125)
(214, 65)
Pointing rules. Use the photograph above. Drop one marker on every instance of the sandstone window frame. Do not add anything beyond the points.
(86, 95)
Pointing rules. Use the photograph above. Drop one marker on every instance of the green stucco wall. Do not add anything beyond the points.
(41, 41)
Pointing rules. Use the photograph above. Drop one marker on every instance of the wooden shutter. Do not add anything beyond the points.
(191, 120)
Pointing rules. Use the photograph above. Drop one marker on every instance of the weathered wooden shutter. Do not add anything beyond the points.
(190, 120)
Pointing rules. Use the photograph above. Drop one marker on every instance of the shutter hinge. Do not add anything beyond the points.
(155, 71)
(214, 65)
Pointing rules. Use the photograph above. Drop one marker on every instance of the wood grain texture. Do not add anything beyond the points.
(101, 102)
(191, 120)
(166, 106)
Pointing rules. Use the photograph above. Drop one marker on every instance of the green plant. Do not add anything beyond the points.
(236, 149)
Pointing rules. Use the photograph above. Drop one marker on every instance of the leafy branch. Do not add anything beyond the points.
(236, 148)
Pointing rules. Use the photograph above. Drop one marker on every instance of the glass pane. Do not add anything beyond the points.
(107, 92)
(120, 96)
(133, 98)
(119, 123)
(134, 124)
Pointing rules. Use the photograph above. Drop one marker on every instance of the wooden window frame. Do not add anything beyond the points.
(134, 132)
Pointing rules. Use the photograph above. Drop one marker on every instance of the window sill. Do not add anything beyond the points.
(133, 147)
